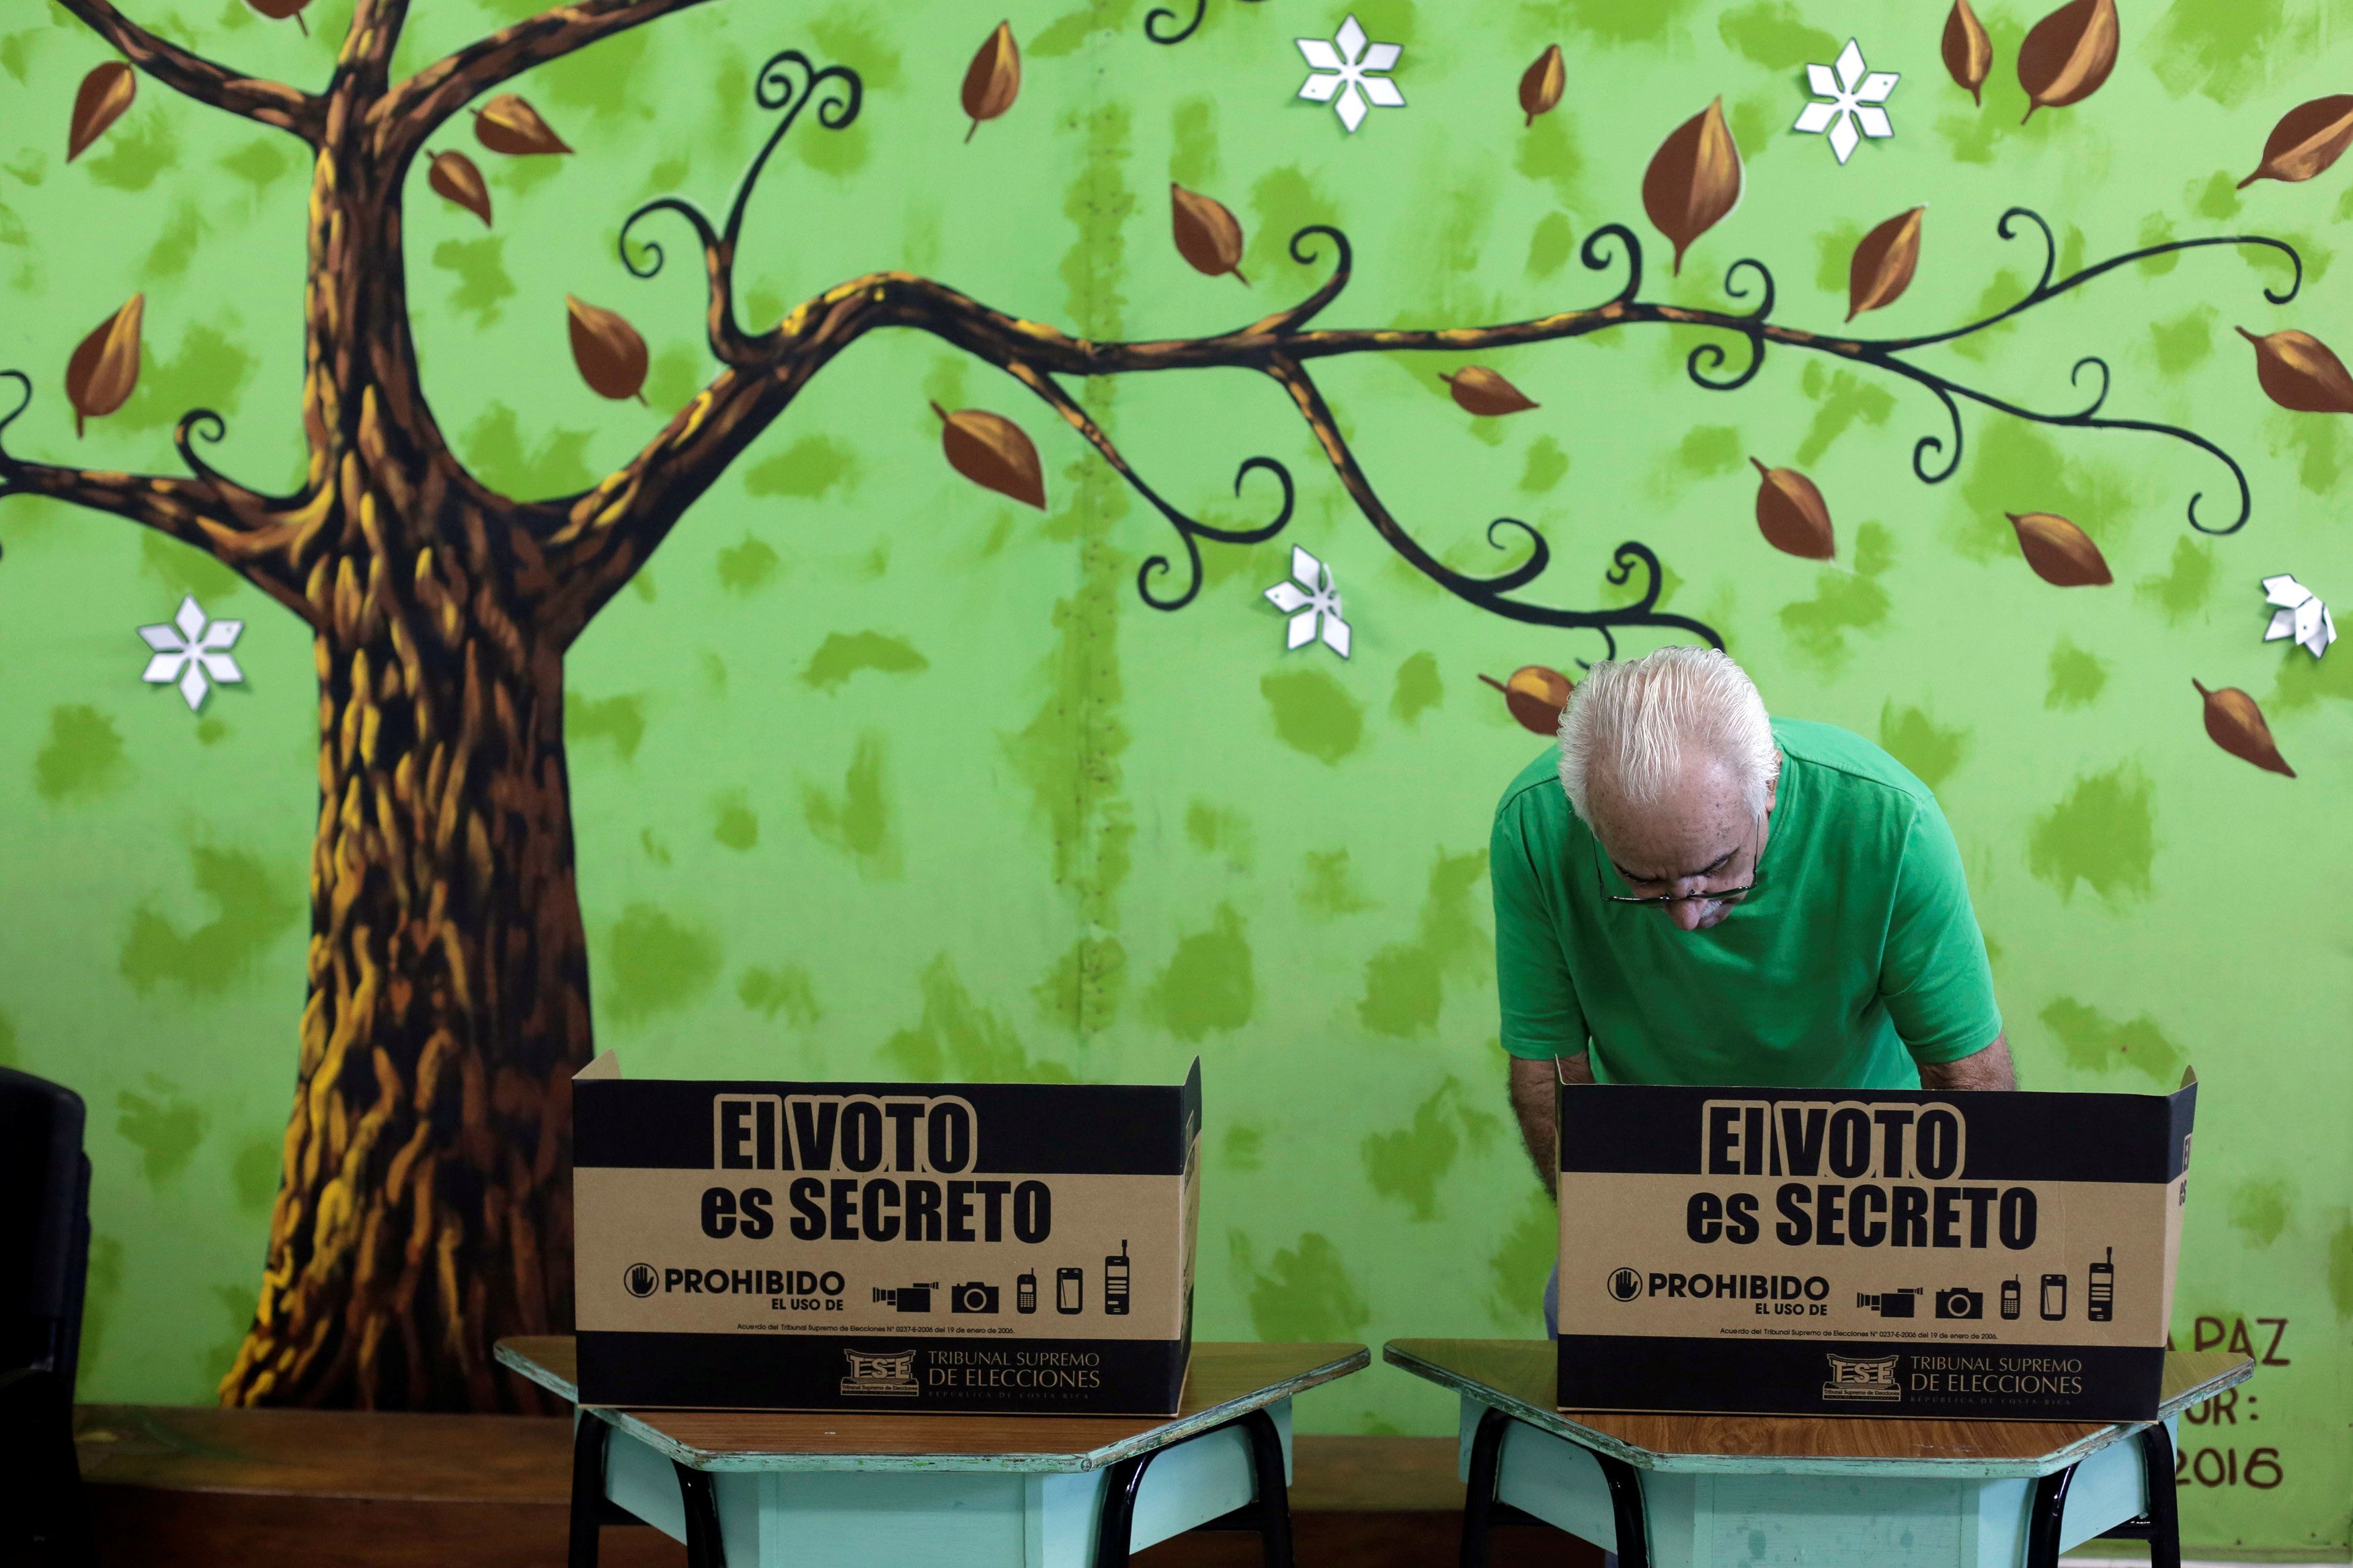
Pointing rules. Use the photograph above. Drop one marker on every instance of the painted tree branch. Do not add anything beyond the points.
(206, 82)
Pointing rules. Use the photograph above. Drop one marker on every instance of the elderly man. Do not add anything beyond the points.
(1689, 892)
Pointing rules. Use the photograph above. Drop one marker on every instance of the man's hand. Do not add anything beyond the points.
(1535, 1105)
(1988, 1068)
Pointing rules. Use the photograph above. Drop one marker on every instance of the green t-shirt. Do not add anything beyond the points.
(1856, 957)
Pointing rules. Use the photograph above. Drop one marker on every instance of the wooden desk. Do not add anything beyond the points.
(933, 1490)
(1693, 1489)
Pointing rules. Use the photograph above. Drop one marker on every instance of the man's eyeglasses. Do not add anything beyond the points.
(1666, 900)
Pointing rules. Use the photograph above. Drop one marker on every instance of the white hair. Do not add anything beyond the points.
(1634, 720)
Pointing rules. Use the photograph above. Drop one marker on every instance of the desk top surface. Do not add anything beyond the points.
(1223, 1382)
(1517, 1377)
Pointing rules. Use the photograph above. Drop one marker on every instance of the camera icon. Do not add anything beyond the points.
(1961, 1301)
(973, 1297)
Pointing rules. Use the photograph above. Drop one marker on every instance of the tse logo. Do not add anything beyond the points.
(913, 1135)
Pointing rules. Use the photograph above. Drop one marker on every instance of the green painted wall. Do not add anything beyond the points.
(878, 773)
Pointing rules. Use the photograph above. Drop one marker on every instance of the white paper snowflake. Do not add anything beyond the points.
(2300, 614)
(1343, 69)
(1854, 95)
(1310, 598)
(192, 653)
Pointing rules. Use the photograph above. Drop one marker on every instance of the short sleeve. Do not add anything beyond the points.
(1933, 974)
(1541, 1015)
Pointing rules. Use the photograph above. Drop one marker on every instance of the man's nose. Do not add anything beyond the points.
(1687, 916)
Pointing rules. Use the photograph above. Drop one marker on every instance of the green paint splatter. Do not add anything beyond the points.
(138, 147)
(1193, 138)
(2185, 587)
(1408, 1163)
(211, 729)
(2158, 228)
(260, 163)
(1081, 990)
(2340, 1270)
(1840, 399)
(1756, 124)
(746, 567)
(1284, 200)
(103, 1293)
(847, 36)
(1245, 1146)
(734, 822)
(2259, 1210)
(2217, 199)
(839, 153)
(1834, 256)
(480, 270)
(2017, 470)
(1313, 713)
(173, 248)
(784, 989)
(492, 446)
(1063, 35)
(958, 1038)
(1604, 21)
(1304, 1292)
(620, 720)
(2304, 681)
(183, 569)
(2104, 833)
(1328, 888)
(2182, 343)
(1550, 246)
(255, 1172)
(844, 654)
(1210, 985)
(1216, 832)
(1546, 465)
(654, 962)
(1707, 450)
(2005, 289)
(1775, 36)
(251, 911)
(237, 1305)
(655, 849)
(1419, 689)
(2078, 675)
(1548, 153)
(165, 1129)
(2097, 1043)
(209, 372)
(1913, 739)
(2224, 49)
(8, 1057)
(1405, 983)
(858, 820)
(1516, 1270)
(677, 372)
(82, 757)
(2322, 443)
(1842, 601)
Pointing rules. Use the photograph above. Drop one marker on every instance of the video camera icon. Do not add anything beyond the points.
(1892, 1303)
(908, 1297)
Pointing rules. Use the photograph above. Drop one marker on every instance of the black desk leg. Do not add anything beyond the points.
(2044, 1517)
(588, 1437)
(2163, 1512)
(1479, 1490)
(1268, 1513)
(703, 1547)
(1625, 1483)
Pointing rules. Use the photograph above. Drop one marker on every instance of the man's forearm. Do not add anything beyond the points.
(1535, 1104)
(1988, 1068)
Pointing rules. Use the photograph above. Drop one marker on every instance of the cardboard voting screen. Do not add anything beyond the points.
(1869, 1252)
(1001, 1248)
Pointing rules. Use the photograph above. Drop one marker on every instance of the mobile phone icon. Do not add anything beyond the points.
(2010, 1296)
(1070, 1290)
(2054, 1296)
(1116, 1281)
(1025, 1291)
(2100, 1300)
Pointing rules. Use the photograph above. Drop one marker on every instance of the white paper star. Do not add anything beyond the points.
(2300, 614)
(1312, 597)
(192, 653)
(1343, 69)
(1854, 95)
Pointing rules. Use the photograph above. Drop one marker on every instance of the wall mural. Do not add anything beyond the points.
(422, 1198)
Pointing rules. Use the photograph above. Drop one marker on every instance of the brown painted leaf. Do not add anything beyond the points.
(2236, 724)
(992, 452)
(1540, 83)
(1693, 179)
(2061, 553)
(1882, 264)
(1481, 391)
(454, 175)
(992, 80)
(2299, 371)
(2306, 141)
(2068, 54)
(279, 10)
(508, 124)
(1535, 694)
(1206, 234)
(105, 93)
(609, 350)
(1791, 514)
(105, 366)
(1969, 53)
